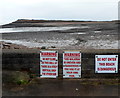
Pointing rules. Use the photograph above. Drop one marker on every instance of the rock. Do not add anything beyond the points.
(76, 89)
(53, 47)
(43, 47)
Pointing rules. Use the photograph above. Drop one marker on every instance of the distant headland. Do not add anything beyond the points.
(46, 23)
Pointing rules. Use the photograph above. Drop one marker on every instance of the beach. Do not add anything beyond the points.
(22, 41)
(65, 35)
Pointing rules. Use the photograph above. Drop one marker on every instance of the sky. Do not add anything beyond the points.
(97, 10)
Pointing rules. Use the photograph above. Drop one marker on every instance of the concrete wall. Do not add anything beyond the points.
(28, 60)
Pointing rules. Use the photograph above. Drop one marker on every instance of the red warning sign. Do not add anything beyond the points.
(49, 64)
(71, 64)
(106, 63)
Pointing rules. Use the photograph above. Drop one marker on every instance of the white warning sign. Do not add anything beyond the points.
(49, 64)
(71, 64)
(106, 64)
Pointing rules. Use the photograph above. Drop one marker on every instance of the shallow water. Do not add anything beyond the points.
(31, 29)
(78, 33)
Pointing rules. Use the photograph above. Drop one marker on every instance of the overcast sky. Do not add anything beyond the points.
(11, 10)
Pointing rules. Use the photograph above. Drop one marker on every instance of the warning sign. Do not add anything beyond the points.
(106, 63)
(49, 64)
(71, 64)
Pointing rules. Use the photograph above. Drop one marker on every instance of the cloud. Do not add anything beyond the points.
(58, 9)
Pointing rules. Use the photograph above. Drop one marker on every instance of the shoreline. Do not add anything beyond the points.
(11, 46)
(8, 45)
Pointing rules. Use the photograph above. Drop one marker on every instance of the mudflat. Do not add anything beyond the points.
(63, 35)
